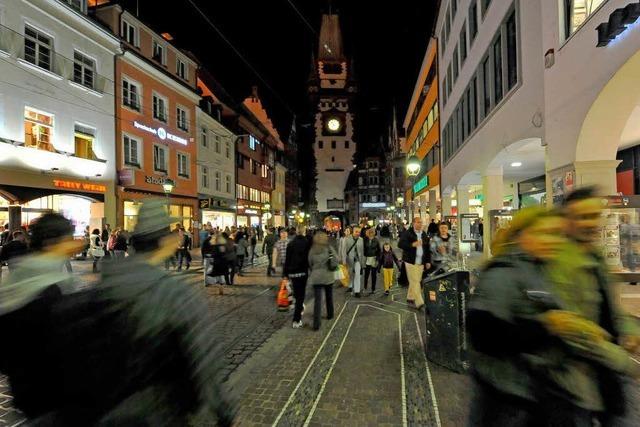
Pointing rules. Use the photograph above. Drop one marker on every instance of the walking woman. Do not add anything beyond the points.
(323, 262)
(242, 250)
(342, 246)
(371, 253)
(231, 259)
(121, 246)
(96, 249)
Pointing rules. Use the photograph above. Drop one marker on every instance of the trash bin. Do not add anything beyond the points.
(446, 298)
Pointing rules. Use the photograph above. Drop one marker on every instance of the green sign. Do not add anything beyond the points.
(421, 185)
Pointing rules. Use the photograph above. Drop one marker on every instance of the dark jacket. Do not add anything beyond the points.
(13, 249)
(121, 243)
(409, 252)
(268, 244)
(371, 247)
(297, 259)
(387, 260)
(432, 229)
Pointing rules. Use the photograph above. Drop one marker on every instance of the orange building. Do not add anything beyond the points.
(422, 129)
(155, 126)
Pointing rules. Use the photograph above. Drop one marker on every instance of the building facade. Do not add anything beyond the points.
(278, 197)
(216, 166)
(332, 90)
(422, 128)
(56, 114)
(373, 191)
(156, 127)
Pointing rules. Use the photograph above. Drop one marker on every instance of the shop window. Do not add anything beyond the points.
(38, 48)
(576, 12)
(131, 150)
(160, 159)
(187, 215)
(181, 69)
(182, 120)
(131, 94)
(228, 184)
(84, 138)
(159, 108)
(159, 53)
(473, 21)
(183, 166)
(84, 69)
(205, 176)
(218, 179)
(203, 137)
(131, 215)
(130, 33)
(38, 128)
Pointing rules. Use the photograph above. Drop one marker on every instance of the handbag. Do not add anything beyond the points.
(97, 251)
(339, 273)
(345, 275)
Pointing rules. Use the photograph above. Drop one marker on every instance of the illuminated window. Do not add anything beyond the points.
(79, 5)
(253, 141)
(183, 166)
(159, 52)
(38, 48)
(131, 214)
(576, 12)
(84, 69)
(203, 137)
(38, 128)
(84, 137)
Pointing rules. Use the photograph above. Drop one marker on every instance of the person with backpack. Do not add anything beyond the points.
(323, 262)
(96, 249)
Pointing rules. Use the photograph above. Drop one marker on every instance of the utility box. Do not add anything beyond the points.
(446, 299)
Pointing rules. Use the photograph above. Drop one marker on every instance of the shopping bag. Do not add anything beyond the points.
(338, 274)
(345, 275)
(283, 296)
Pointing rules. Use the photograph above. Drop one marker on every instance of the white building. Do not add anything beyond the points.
(216, 169)
(57, 128)
(535, 100)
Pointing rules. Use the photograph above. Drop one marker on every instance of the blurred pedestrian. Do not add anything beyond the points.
(355, 261)
(5, 237)
(241, 250)
(386, 263)
(268, 245)
(442, 248)
(120, 246)
(342, 245)
(323, 262)
(416, 257)
(432, 230)
(296, 268)
(183, 249)
(231, 258)
(372, 254)
(254, 243)
(280, 252)
(96, 249)
(11, 252)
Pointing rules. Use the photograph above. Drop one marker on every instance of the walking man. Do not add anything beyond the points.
(416, 255)
(267, 247)
(355, 261)
(280, 251)
(296, 269)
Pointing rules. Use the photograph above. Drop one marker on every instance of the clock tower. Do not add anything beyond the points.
(332, 90)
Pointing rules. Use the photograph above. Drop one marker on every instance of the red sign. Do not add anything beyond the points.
(80, 186)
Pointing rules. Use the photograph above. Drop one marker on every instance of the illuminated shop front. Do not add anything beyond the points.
(219, 212)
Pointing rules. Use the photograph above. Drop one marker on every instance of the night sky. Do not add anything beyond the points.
(387, 40)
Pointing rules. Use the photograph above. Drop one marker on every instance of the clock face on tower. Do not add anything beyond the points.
(333, 124)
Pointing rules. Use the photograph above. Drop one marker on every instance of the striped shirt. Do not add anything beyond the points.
(281, 247)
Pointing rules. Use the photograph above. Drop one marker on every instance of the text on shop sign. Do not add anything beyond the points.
(160, 133)
(84, 186)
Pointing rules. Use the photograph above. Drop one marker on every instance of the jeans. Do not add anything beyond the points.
(231, 272)
(317, 305)
(388, 278)
(299, 290)
(253, 253)
(270, 268)
(183, 254)
(240, 264)
(373, 271)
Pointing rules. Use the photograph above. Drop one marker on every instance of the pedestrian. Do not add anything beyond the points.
(96, 249)
(371, 254)
(231, 258)
(481, 234)
(120, 246)
(254, 243)
(386, 263)
(267, 248)
(296, 269)
(416, 257)
(17, 247)
(442, 248)
(5, 237)
(218, 269)
(241, 250)
(87, 236)
(355, 261)
(432, 230)
(183, 249)
(342, 245)
(280, 251)
(323, 262)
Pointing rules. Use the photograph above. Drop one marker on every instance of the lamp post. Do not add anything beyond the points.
(413, 169)
(168, 187)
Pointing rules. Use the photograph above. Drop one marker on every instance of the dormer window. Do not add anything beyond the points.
(79, 5)
(181, 69)
(159, 52)
(130, 33)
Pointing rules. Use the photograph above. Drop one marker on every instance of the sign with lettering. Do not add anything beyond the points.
(126, 177)
(80, 186)
(205, 203)
(420, 185)
(160, 133)
(157, 180)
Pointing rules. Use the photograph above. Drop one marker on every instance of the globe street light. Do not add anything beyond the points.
(413, 166)
(168, 186)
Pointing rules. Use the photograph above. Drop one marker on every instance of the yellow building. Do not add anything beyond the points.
(278, 206)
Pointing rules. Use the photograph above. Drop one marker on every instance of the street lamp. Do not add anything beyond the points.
(413, 166)
(168, 186)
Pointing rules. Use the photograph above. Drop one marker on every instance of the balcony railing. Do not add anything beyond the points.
(57, 66)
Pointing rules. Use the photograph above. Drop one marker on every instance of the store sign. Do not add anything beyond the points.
(421, 185)
(251, 212)
(205, 203)
(160, 133)
(80, 186)
(157, 180)
(126, 177)
(374, 205)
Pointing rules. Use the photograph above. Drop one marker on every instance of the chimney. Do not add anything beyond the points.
(254, 93)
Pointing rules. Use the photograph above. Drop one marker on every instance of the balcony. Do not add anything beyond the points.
(49, 63)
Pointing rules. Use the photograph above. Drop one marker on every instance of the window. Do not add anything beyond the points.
(454, 9)
(218, 179)
(38, 48)
(473, 105)
(264, 171)
(203, 137)
(485, 6)
(449, 80)
(455, 64)
(183, 166)
(83, 138)
(447, 23)
(217, 140)
(228, 184)
(576, 13)
(239, 161)
(79, 5)
(129, 33)
(131, 150)
(159, 108)
(160, 158)
(512, 51)
(333, 145)
(38, 128)
(443, 42)
(473, 21)
(346, 145)
(181, 69)
(254, 166)
(131, 94)
(253, 142)
(158, 52)
(444, 90)
(320, 145)
(205, 176)
(228, 149)
(84, 69)
(181, 119)
(486, 85)
(463, 44)
(497, 69)
(243, 192)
